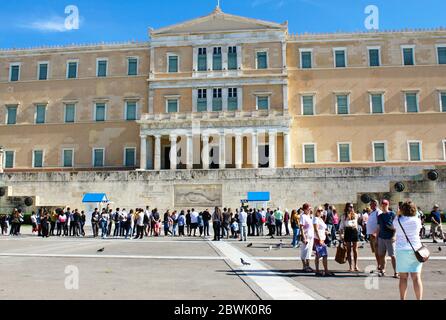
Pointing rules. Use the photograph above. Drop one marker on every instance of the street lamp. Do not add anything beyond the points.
(2, 152)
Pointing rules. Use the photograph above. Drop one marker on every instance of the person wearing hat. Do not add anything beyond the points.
(386, 238)
(436, 223)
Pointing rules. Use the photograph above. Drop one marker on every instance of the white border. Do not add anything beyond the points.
(15, 64)
(418, 101)
(408, 46)
(302, 104)
(345, 57)
(94, 111)
(93, 157)
(7, 113)
(65, 113)
(171, 54)
(385, 151)
(221, 49)
(136, 111)
(437, 46)
(47, 70)
(304, 153)
(266, 50)
(167, 98)
(125, 155)
(263, 96)
(382, 102)
(63, 157)
(13, 159)
(43, 158)
(37, 105)
(97, 67)
(128, 66)
(68, 68)
(420, 150)
(348, 103)
(350, 151)
(441, 101)
(305, 50)
(379, 55)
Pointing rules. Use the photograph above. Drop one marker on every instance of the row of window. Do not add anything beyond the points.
(72, 69)
(99, 113)
(412, 103)
(340, 56)
(379, 149)
(98, 158)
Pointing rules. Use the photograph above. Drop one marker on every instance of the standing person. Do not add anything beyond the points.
(278, 216)
(139, 219)
(194, 222)
(166, 223)
(271, 224)
(3, 223)
(147, 221)
(33, 223)
(200, 223)
(307, 232)
(104, 223)
(372, 229)
(226, 223)
(76, 222)
(249, 222)
(217, 217)
(320, 248)
(181, 224)
(206, 218)
(123, 219)
(174, 223)
(62, 223)
(156, 222)
(386, 238)
(95, 222)
(82, 223)
(242, 221)
(365, 219)
(408, 228)
(295, 225)
(188, 222)
(45, 225)
(111, 221)
(350, 235)
(329, 221)
(260, 223)
(53, 219)
(286, 222)
(436, 223)
(116, 218)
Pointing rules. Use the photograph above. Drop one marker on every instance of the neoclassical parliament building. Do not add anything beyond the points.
(224, 92)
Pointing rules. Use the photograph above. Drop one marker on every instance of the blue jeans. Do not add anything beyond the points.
(243, 233)
(174, 229)
(296, 232)
(128, 232)
(104, 228)
(117, 231)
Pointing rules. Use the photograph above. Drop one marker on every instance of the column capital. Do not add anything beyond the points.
(173, 137)
(143, 136)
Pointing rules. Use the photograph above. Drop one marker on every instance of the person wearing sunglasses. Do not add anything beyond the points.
(350, 235)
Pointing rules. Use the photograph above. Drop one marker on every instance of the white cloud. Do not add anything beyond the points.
(277, 4)
(54, 24)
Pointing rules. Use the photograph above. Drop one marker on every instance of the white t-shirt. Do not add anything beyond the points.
(194, 217)
(372, 221)
(242, 218)
(412, 226)
(140, 220)
(307, 225)
(321, 227)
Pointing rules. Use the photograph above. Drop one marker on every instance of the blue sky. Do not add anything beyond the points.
(26, 23)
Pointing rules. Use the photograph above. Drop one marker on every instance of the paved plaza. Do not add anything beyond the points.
(189, 269)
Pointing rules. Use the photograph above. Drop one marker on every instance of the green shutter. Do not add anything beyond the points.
(43, 71)
(442, 55)
(9, 159)
(12, 115)
(130, 157)
(173, 64)
(374, 57)
(263, 103)
(133, 66)
(377, 103)
(69, 113)
(40, 114)
(408, 57)
(306, 60)
(202, 59)
(131, 111)
(412, 102)
(217, 104)
(98, 158)
(443, 102)
(102, 68)
(100, 112)
(415, 152)
(232, 104)
(172, 106)
(38, 159)
(344, 153)
(72, 70)
(340, 59)
(380, 152)
(216, 60)
(342, 102)
(15, 71)
(310, 154)
(232, 58)
(202, 105)
(308, 105)
(68, 158)
(262, 60)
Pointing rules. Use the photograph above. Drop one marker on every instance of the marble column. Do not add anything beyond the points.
(143, 161)
(205, 152)
(173, 152)
(222, 160)
(272, 149)
(190, 152)
(157, 156)
(254, 150)
(286, 150)
(238, 150)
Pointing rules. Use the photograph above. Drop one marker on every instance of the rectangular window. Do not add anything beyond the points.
(202, 59)
(374, 58)
(130, 111)
(217, 101)
(443, 101)
(100, 112)
(43, 71)
(130, 157)
(408, 56)
(232, 58)
(11, 114)
(202, 101)
(414, 151)
(441, 51)
(379, 151)
(310, 153)
(98, 158)
(70, 113)
(37, 159)
(412, 102)
(262, 60)
(216, 59)
(306, 60)
(262, 103)
(40, 113)
(72, 70)
(102, 68)
(9, 159)
(232, 99)
(132, 66)
(342, 104)
(344, 152)
(15, 73)
(172, 105)
(68, 158)
(377, 103)
(173, 64)
(340, 58)
(308, 105)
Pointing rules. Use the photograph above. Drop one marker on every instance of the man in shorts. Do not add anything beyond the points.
(386, 238)
(372, 227)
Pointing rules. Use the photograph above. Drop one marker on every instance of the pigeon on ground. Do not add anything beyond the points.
(101, 250)
(244, 262)
(249, 245)
(439, 249)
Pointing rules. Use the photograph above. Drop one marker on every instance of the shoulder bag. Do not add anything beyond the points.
(422, 254)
